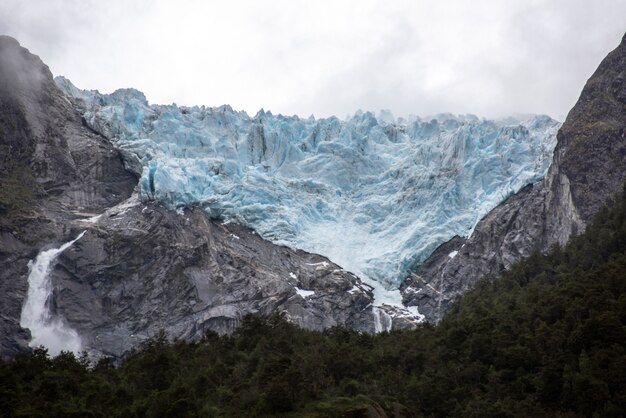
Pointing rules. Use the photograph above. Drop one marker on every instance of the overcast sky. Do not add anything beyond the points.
(489, 58)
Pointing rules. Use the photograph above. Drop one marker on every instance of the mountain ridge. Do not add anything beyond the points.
(68, 178)
(587, 171)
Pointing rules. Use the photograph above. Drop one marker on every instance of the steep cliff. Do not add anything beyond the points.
(52, 170)
(587, 171)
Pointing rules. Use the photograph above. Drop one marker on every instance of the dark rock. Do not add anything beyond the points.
(587, 172)
(149, 268)
(51, 170)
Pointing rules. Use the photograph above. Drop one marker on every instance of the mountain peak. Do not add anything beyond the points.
(587, 172)
(20, 70)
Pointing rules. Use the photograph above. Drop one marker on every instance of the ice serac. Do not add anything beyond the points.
(587, 172)
(374, 194)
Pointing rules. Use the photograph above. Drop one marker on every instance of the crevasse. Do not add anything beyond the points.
(374, 194)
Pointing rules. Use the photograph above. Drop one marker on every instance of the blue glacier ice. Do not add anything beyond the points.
(376, 195)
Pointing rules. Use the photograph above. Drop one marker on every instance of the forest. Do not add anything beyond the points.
(547, 338)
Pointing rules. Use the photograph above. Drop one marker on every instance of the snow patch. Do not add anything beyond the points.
(415, 313)
(304, 293)
(93, 219)
(355, 289)
(323, 264)
(412, 290)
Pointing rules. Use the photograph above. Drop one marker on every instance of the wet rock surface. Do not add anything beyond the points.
(51, 169)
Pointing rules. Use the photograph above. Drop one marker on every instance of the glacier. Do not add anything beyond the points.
(375, 194)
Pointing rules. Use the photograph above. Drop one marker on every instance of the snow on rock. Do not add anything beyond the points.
(92, 220)
(304, 293)
(376, 195)
(355, 289)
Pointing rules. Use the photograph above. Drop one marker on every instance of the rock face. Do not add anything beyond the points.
(143, 268)
(52, 169)
(138, 268)
(588, 170)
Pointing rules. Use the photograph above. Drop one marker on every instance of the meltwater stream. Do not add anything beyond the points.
(52, 333)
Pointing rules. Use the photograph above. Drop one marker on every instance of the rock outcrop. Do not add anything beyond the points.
(587, 172)
(141, 268)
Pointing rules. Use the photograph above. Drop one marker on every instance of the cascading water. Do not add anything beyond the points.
(382, 321)
(52, 333)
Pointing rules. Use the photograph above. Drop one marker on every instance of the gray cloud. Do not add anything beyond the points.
(326, 57)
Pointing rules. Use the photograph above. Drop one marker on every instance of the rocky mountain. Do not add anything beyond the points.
(110, 228)
(137, 268)
(588, 170)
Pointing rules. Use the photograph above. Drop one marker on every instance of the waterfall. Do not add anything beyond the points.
(382, 321)
(52, 333)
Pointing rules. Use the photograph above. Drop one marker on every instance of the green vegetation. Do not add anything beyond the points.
(546, 339)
